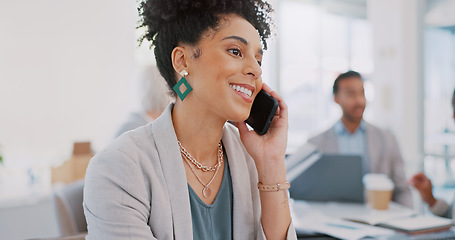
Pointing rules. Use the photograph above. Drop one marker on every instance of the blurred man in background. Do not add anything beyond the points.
(351, 135)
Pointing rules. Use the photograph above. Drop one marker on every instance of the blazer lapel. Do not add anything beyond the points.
(332, 141)
(174, 173)
(374, 147)
(241, 184)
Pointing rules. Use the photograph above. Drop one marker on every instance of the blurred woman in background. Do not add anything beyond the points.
(154, 97)
(423, 185)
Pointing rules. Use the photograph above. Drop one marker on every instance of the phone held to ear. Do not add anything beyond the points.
(262, 112)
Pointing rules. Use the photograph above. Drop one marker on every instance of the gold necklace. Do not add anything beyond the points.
(198, 164)
(206, 192)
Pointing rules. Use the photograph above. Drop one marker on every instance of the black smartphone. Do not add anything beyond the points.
(262, 112)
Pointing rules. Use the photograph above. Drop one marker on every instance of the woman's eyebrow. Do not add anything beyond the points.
(242, 40)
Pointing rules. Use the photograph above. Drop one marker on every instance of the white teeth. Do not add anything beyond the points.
(241, 89)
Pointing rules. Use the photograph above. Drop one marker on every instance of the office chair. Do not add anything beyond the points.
(70, 213)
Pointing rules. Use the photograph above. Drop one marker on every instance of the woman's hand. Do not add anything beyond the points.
(268, 150)
(423, 185)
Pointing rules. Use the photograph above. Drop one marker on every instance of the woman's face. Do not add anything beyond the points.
(226, 76)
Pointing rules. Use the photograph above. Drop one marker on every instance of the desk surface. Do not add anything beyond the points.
(308, 216)
(345, 210)
(341, 209)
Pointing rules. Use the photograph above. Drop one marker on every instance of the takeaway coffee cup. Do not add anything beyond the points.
(379, 190)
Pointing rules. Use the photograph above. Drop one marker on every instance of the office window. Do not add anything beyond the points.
(315, 46)
(438, 85)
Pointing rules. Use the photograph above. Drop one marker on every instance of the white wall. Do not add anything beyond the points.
(66, 70)
(397, 75)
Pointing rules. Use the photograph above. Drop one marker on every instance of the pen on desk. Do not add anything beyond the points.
(340, 226)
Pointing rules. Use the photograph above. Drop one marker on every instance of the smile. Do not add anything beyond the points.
(241, 89)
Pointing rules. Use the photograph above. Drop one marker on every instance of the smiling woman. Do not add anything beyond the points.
(233, 54)
(188, 174)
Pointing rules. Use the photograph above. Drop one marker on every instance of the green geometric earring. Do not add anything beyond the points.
(179, 83)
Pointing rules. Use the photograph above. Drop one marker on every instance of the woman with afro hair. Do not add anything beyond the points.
(190, 174)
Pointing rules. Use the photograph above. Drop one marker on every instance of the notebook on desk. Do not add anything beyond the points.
(323, 177)
(403, 220)
(418, 224)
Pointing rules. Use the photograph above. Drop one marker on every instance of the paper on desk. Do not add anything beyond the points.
(374, 217)
(314, 221)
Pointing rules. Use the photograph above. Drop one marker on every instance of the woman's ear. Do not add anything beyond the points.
(179, 58)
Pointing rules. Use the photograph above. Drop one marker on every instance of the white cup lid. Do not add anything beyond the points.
(377, 181)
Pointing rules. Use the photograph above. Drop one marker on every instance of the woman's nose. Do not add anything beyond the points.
(253, 68)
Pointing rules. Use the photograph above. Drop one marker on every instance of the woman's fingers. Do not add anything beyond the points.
(282, 107)
(242, 128)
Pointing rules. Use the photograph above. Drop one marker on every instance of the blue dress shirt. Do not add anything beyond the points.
(353, 144)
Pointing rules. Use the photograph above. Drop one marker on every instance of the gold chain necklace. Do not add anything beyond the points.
(206, 190)
(198, 164)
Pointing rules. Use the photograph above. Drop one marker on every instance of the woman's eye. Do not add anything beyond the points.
(235, 51)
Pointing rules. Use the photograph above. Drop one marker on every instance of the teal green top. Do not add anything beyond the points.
(213, 221)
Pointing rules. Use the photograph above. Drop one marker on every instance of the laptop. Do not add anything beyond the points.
(325, 177)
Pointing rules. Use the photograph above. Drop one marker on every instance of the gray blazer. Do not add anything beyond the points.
(136, 188)
(383, 154)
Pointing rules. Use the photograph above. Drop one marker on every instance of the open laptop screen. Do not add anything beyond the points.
(329, 178)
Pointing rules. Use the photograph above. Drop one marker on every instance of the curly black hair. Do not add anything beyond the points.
(168, 23)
